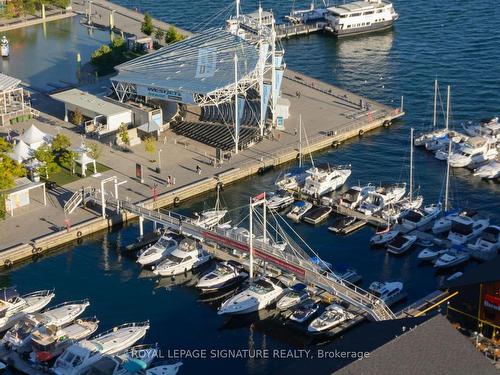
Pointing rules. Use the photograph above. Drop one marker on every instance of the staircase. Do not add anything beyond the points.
(78, 197)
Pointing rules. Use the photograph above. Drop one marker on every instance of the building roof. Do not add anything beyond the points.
(355, 6)
(200, 64)
(21, 152)
(89, 102)
(434, 347)
(484, 273)
(33, 135)
(8, 82)
(23, 184)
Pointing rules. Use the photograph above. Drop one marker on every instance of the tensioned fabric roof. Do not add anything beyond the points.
(199, 65)
(8, 82)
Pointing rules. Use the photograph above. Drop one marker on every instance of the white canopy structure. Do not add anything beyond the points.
(35, 138)
(83, 159)
(21, 152)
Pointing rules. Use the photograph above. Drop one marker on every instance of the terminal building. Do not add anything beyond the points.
(220, 87)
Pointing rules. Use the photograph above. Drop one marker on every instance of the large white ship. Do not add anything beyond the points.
(360, 17)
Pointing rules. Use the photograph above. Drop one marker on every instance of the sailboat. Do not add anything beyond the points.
(439, 141)
(435, 133)
(210, 218)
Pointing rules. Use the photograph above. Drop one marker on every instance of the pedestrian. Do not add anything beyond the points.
(168, 181)
(299, 94)
(198, 169)
(295, 131)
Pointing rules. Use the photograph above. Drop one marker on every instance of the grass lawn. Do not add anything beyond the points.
(64, 176)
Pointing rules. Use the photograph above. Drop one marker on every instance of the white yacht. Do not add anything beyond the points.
(279, 200)
(401, 243)
(473, 152)
(414, 219)
(451, 258)
(82, 354)
(292, 297)
(225, 275)
(304, 16)
(389, 292)
(489, 128)
(490, 170)
(322, 180)
(304, 311)
(210, 218)
(383, 237)
(116, 365)
(153, 254)
(14, 307)
(184, 258)
(260, 294)
(290, 181)
(463, 229)
(381, 197)
(353, 197)
(428, 254)
(487, 245)
(49, 341)
(330, 318)
(443, 224)
(359, 17)
(20, 334)
(4, 47)
(298, 210)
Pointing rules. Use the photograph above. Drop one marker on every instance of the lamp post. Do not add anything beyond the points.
(158, 168)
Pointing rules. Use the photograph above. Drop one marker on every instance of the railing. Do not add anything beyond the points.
(284, 30)
(73, 202)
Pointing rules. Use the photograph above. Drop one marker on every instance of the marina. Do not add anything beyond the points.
(228, 251)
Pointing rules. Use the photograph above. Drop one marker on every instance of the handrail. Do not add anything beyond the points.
(78, 302)
(125, 325)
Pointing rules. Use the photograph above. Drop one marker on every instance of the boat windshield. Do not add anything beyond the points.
(261, 288)
(222, 270)
(165, 242)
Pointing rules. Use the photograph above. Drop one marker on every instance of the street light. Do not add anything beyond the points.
(158, 168)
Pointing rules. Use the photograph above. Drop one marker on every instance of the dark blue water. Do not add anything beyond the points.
(454, 41)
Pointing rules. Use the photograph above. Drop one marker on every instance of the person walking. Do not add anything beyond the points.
(198, 169)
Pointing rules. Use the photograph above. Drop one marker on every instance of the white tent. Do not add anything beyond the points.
(83, 159)
(34, 137)
(21, 152)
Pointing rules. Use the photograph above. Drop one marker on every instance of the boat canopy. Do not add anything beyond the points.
(9, 293)
(299, 287)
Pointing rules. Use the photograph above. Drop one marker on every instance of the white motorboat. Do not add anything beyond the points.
(260, 294)
(324, 179)
(290, 181)
(14, 307)
(464, 229)
(329, 319)
(414, 219)
(158, 251)
(20, 334)
(187, 256)
(456, 275)
(474, 151)
(401, 243)
(487, 245)
(225, 275)
(353, 197)
(317, 214)
(292, 297)
(389, 292)
(428, 254)
(490, 170)
(451, 258)
(298, 210)
(304, 311)
(82, 354)
(383, 237)
(423, 139)
(381, 197)
(489, 128)
(116, 365)
(393, 212)
(49, 341)
(443, 224)
(210, 218)
(4, 47)
(279, 200)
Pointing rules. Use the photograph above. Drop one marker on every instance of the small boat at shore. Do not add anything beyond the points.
(341, 224)
(304, 311)
(329, 319)
(225, 275)
(187, 256)
(153, 254)
(4, 47)
(298, 210)
(293, 296)
(490, 170)
(383, 237)
(317, 214)
(452, 258)
(429, 255)
(389, 292)
(279, 200)
(401, 244)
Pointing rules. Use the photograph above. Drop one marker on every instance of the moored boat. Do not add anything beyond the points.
(298, 210)
(329, 319)
(158, 251)
(317, 214)
(225, 275)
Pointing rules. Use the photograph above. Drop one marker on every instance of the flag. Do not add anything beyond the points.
(259, 197)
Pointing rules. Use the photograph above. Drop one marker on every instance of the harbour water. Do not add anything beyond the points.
(453, 41)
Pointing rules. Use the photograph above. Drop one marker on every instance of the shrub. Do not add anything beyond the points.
(147, 26)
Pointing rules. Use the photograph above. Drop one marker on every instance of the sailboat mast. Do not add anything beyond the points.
(434, 120)
(448, 107)
(411, 165)
(300, 140)
(250, 241)
(447, 182)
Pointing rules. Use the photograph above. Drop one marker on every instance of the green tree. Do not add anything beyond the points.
(46, 156)
(150, 146)
(147, 26)
(9, 171)
(94, 150)
(60, 143)
(123, 134)
(76, 117)
(159, 34)
(172, 35)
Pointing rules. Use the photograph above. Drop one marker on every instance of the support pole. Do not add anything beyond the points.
(411, 165)
(250, 243)
(112, 20)
(236, 115)
(141, 226)
(273, 72)
(300, 140)
(264, 221)
(43, 11)
(434, 118)
(103, 201)
(448, 107)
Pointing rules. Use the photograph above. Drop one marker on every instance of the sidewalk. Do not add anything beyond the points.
(34, 20)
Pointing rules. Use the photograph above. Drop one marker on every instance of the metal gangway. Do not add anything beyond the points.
(238, 239)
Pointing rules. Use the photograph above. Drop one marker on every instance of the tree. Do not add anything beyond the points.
(47, 158)
(9, 171)
(147, 26)
(159, 34)
(150, 146)
(60, 143)
(123, 134)
(76, 117)
(172, 35)
(94, 150)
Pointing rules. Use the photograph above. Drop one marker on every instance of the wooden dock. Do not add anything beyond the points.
(368, 219)
(285, 31)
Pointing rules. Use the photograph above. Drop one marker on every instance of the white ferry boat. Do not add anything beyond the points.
(360, 17)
